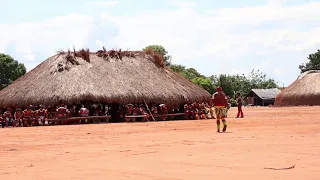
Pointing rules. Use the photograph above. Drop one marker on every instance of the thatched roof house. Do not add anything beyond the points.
(304, 91)
(102, 77)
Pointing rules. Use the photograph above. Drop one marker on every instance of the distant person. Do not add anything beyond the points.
(2, 121)
(42, 116)
(239, 104)
(154, 109)
(144, 113)
(163, 111)
(28, 117)
(129, 110)
(97, 112)
(135, 112)
(84, 112)
(220, 102)
(62, 114)
(229, 105)
(18, 117)
(8, 117)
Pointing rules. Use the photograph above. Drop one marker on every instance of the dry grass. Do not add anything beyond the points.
(102, 76)
(304, 91)
(157, 57)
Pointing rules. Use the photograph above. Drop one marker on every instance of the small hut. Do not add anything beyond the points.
(262, 97)
(304, 91)
(107, 77)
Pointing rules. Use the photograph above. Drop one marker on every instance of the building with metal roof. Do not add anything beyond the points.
(262, 97)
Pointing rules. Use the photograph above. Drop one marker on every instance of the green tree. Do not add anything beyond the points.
(193, 75)
(259, 80)
(205, 83)
(232, 84)
(160, 50)
(10, 70)
(189, 73)
(177, 68)
(313, 64)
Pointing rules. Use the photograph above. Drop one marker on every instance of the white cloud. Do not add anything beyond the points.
(263, 65)
(180, 3)
(277, 3)
(224, 36)
(104, 3)
(238, 71)
(45, 37)
(259, 14)
(278, 71)
(29, 56)
(99, 43)
(184, 30)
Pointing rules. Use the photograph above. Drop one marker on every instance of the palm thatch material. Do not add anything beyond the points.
(304, 91)
(105, 76)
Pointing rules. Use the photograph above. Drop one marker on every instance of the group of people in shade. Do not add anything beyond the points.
(61, 115)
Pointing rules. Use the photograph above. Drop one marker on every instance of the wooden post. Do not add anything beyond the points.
(149, 110)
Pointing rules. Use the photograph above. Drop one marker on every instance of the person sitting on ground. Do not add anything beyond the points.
(73, 111)
(62, 114)
(129, 110)
(196, 109)
(206, 109)
(144, 112)
(83, 112)
(8, 117)
(28, 117)
(97, 112)
(42, 116)
(18, 117)
(163, 111)
(154, 109)
(188, 110)
(135, 112)
(210, 110)
(203, 111)
(2, 121)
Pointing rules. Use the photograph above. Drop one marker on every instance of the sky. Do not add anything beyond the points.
(214, 37)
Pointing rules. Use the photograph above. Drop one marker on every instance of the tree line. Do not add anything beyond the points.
(231, 84)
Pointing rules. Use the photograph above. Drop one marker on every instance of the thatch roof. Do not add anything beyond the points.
(265, 94)
(104, 77)
(304, 91)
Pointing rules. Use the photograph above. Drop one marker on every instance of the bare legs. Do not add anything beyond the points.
(224, 122)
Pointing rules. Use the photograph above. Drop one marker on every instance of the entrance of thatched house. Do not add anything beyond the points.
(115, 112)
(113, 109)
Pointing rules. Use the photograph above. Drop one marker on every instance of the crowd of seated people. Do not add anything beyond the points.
(198, 110)
(40, 115)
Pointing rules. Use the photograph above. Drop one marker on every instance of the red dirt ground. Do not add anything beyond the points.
(265, 138)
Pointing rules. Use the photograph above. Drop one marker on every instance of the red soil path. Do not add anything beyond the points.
(266, 137)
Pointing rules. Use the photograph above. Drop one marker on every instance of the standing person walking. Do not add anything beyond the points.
(239, 104)
(220, 102)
